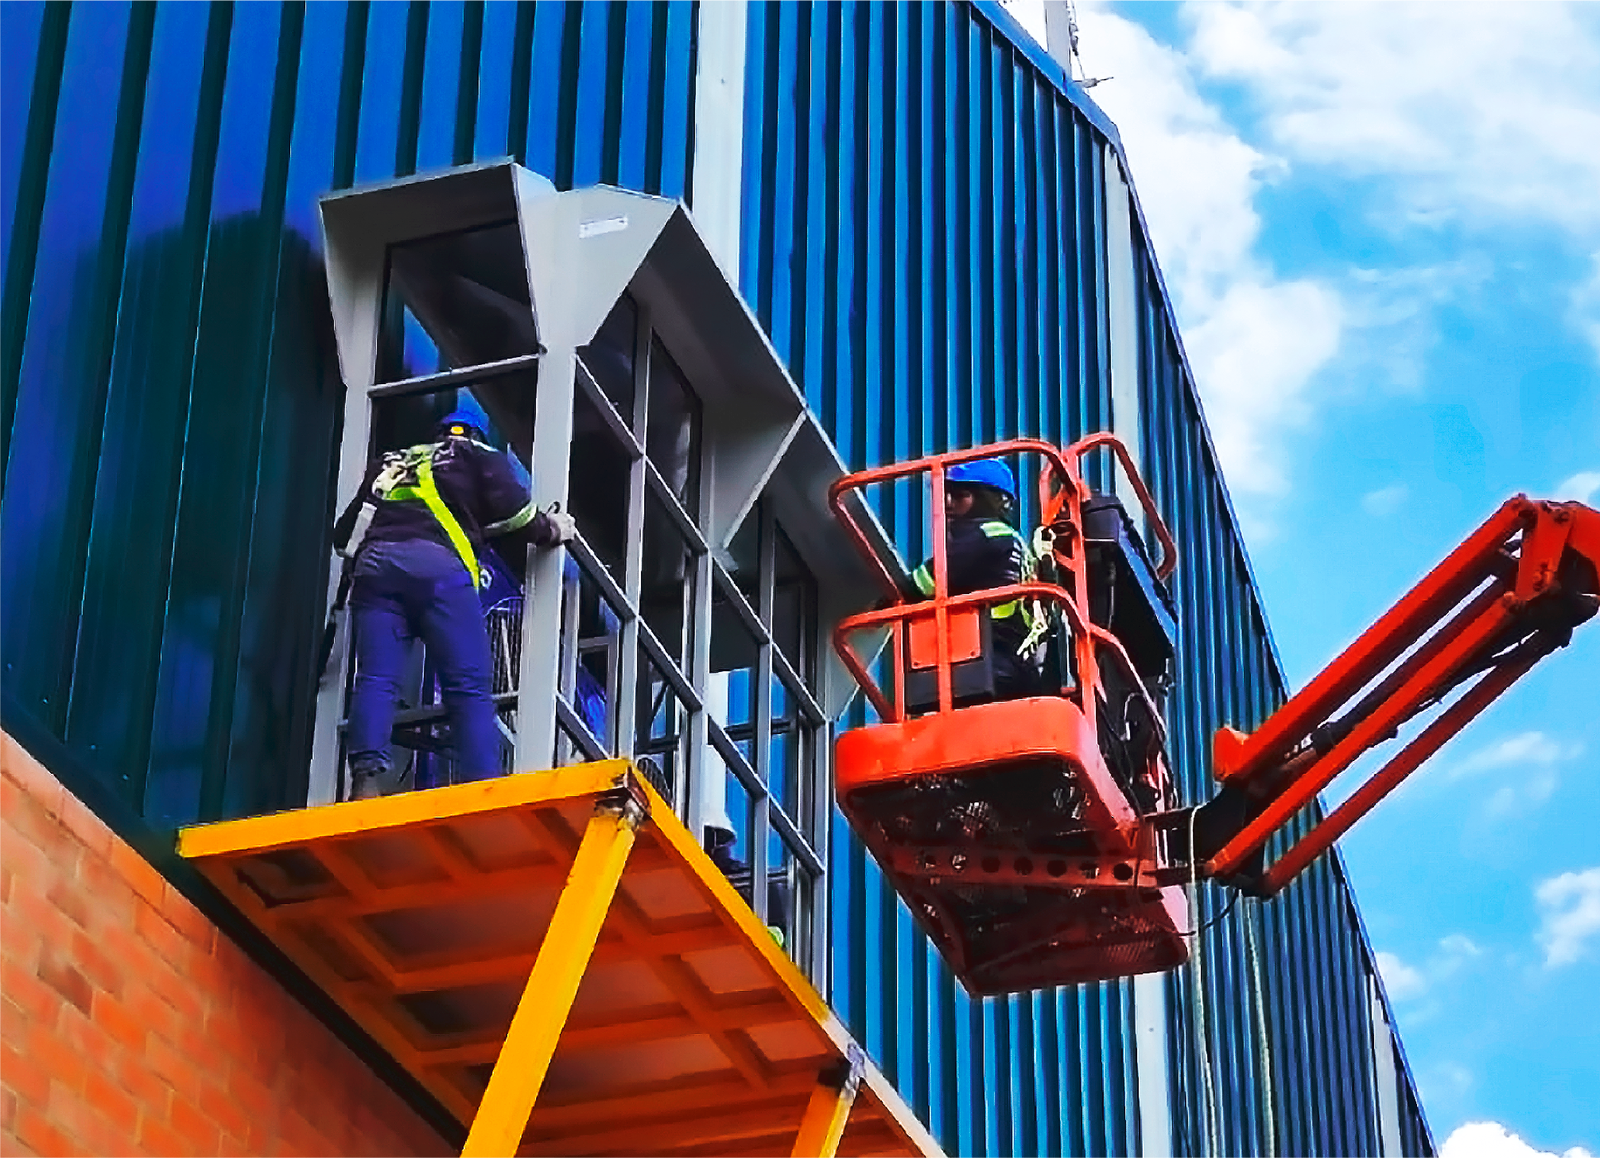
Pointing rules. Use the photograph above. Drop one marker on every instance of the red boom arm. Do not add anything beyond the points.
(1507, 597)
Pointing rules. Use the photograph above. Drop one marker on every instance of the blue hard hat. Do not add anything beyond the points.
(462, 418)
(985, 472)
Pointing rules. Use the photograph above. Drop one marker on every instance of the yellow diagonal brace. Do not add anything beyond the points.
(829, 1108)
(553, 983)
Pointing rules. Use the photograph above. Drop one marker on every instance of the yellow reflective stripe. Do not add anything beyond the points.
(1005, 610)
(923, 579)
(515, 523)
(435, 503)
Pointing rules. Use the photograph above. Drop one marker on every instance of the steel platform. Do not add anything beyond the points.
(556, 960)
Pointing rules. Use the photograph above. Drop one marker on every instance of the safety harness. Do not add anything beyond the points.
(408, 477)
(1034, 616)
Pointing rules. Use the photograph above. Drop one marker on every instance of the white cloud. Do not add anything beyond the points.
(1486, 111)
(1569, 915)
(1256, 341)
(1385, 500)
(1521, 752)
(1400, 980)
(1492, 1140)
(1406, 983)
(1586, 309)
(1580, 487)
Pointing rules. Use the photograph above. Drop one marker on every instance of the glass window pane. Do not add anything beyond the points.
(735, 664)
(458, 299)
(729, 822)
(597, 487)
(662, 728)
(666, 580)
(789, 759)
(590, 660)
(672, 435)
(610, 357)
(794, 601)
(744, 558)
(782, 876)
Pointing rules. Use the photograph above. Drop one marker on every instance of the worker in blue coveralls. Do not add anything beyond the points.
(428, 510)
(983, 550)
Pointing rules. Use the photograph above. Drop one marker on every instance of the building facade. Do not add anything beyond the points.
(938, 234)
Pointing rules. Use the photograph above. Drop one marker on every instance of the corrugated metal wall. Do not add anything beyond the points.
(925, 241)
(924, 238)
(170, 395)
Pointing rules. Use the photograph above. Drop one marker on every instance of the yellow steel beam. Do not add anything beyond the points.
(829, 1108)
(259, 833)
(553, 983)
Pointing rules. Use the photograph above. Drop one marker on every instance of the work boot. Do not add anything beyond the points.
(364, 780)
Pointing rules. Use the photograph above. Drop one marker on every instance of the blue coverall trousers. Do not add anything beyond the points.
(402, 592)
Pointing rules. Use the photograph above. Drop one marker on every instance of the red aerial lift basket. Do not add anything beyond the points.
(1020, 852)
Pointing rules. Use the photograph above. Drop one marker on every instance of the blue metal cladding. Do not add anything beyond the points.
(168, 388)
(924, 239)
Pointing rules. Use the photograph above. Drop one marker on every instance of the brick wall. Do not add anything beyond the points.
(132, 1026)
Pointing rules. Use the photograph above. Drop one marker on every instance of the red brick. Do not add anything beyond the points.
(38, 1132)
(29, 776)
(29, 819)
(103, 972)
(28, 862)
(171, 945)
(29, 912)
(168, 1062)
(199, 1130)
(90, 830)
(15, 1026)
(120, 1022)
(34, 1000)
(23, 1077)
(78, 1117)
(83, 1038)
(154, 1136)
(176, 992)
(188, 920)
(110, 1099)
(141, 876)
(133, 1073)
(56, 971)
(230, 1117)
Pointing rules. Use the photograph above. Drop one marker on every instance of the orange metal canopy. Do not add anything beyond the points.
(425, 915)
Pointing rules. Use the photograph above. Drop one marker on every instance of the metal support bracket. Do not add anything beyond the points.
(557, 972)
(829, 1108)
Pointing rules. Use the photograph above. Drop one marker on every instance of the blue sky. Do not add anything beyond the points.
(1381, 229)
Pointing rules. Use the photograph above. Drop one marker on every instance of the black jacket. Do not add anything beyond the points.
(476, 483)
(981, 554)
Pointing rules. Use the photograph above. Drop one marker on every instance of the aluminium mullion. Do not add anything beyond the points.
(664, 495)
(796, 840)
(681, 684)
(620, 430)
(763, 742)
(456, 377)
(735, 598)
(626, 434)
(728, 590)
(571, 591)
(600, 574)
(575, 727)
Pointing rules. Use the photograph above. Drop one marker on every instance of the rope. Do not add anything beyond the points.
(1203, 1047)
(1263, 1038)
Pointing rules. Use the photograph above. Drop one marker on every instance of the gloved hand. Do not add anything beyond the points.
(557, 526)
